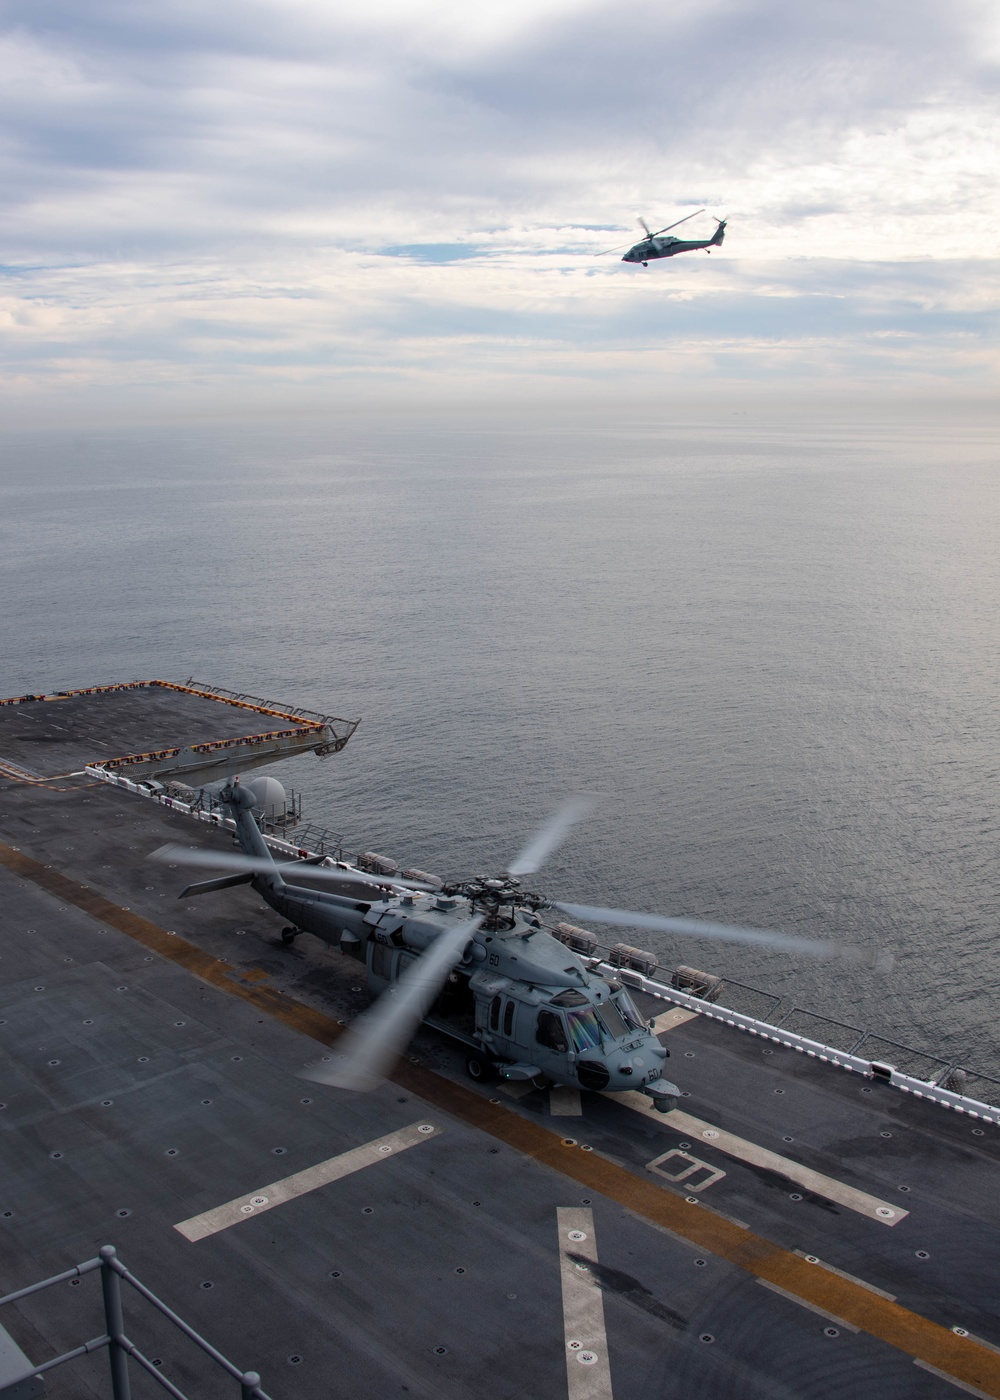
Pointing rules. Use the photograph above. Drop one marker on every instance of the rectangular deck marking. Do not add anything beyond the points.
(210, 1222)
(954, 1358)
(688, 1167)
(564, 1102)
(744, 1151)
(588, 1372)
(516, 1091)
(952, 1380)
(667, 1020)
(803, 1303)
(852, 1278)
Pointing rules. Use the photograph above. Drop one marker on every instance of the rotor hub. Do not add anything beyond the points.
(490, 894)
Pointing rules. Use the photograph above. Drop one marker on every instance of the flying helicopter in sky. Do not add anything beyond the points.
(473, 959)
(654, 245)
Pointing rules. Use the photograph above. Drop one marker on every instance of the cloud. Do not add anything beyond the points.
(287, 188)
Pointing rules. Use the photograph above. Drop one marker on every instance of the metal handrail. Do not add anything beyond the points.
(814, 1049)
(75, 1272)
(179, 1322)
(121, 1348)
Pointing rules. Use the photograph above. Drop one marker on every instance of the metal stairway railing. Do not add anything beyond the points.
(121, 1348)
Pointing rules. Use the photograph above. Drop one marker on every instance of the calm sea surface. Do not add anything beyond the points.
(772, 651)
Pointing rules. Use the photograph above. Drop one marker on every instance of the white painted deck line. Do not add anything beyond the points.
(851, 1278)
(210, 1222)
(744, 1151)
(981, 1342)
(564, 1102)
(952, 1380)
(588, 1373)
(820, 1312)
(667, 1020)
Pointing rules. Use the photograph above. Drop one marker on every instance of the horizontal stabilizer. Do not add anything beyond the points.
(224, 882)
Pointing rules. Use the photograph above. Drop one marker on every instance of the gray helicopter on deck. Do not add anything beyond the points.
(472, 959)
(654, 245)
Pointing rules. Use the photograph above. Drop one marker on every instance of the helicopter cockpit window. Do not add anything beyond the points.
(627, 1007)
(570, 997)
(495, 1014)
(550, 1031)
(584, 1031)
(614, 1020)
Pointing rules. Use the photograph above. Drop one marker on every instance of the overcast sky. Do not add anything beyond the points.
(285, 198)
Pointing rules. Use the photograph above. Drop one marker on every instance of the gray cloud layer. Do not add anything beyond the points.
(234, 185)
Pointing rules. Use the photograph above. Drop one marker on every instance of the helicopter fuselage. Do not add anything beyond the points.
(657, 246)
(531, 1006)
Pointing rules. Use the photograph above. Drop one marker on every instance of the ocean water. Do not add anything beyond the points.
(769, 649)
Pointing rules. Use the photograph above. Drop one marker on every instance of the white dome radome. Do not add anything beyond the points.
(269, 793)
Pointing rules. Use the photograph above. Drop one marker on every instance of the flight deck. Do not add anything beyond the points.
(788, 1230)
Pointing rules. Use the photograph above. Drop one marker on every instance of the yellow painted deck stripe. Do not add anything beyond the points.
(936, 1346)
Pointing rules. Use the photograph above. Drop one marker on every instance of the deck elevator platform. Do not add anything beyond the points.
(155, 729)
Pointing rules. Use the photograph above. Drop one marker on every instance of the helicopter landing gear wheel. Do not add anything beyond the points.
(289, 935)
(480, 1068)
(665, 1105)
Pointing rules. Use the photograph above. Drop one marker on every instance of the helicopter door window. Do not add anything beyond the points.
(495, 1014)
(550, 1031)
(508, 1019)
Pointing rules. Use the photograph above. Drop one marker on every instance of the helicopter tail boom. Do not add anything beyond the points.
(240, 802)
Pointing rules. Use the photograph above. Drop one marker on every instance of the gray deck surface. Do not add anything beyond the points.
(61, 736)
(165, 1097)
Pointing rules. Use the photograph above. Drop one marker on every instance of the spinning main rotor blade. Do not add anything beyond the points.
(258, 865)
(605, 251)
(695, 928)
(377, 1038)
(676, 225)
(550, 836)
(645, 227)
